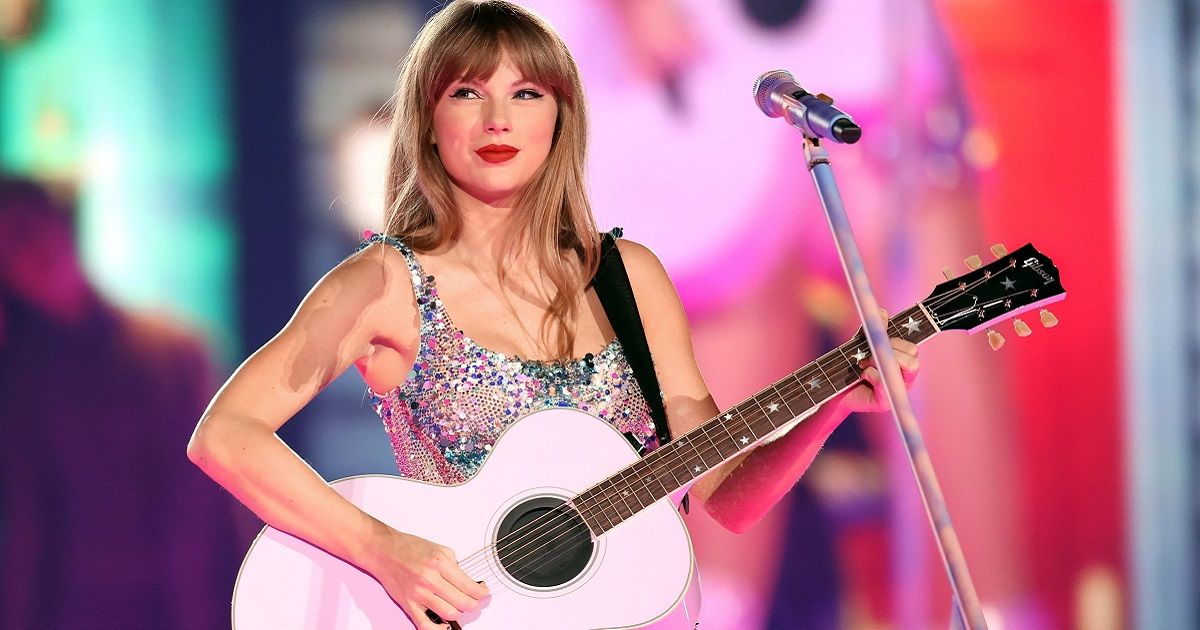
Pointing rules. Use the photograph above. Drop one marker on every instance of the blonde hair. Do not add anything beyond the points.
(466, 40)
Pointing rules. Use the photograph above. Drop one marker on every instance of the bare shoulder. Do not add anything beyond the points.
(365, 297)
(662, 313)
(375, 266)
(651, 284)
(375, 262)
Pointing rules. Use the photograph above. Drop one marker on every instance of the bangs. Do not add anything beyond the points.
(473, 48)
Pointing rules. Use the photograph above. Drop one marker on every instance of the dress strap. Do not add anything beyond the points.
(616, 297)
(422, 284)
(370, 238)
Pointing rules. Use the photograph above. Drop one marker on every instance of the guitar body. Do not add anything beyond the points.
(640, 574)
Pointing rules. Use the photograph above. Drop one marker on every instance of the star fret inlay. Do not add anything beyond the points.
(745, 440)
(773, 407)
(815, 383)
(912, 325)
(859, 356)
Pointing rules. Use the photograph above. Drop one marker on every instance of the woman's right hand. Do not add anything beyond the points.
(420, 575)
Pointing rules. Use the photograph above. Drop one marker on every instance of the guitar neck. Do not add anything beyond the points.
(689, 456)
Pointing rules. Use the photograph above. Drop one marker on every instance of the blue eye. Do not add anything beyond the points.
(464, 93)
(528, 95)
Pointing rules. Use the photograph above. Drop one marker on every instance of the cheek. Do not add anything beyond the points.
(453, 122)
(448, 130)
(451, 138)
(542, 132)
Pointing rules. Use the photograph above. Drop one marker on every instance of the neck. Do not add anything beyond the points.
(487, 234)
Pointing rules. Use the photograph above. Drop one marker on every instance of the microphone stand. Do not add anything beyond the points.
(966, 602)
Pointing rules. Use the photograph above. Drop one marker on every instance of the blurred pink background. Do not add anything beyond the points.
(1068, 458)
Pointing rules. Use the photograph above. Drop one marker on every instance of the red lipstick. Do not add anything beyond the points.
(497, 153)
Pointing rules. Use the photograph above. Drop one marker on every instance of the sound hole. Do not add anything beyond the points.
(543, 542)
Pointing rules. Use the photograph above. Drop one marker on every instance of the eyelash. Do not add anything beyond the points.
(534, 94)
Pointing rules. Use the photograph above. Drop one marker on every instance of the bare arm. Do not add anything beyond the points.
(339, 323)
(738, 493)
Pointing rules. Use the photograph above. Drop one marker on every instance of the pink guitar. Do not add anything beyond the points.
(588, 535)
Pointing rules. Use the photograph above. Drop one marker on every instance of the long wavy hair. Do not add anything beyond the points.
(467, 40)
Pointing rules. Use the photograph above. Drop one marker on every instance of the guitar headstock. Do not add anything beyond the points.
(1013, 284)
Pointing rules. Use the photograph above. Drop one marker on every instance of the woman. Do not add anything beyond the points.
(485, 195)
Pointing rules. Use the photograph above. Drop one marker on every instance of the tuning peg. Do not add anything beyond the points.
(1022, 328)
(1048, 319)
(995, 339)
(999, 250)
(973, 262)
(949, 273)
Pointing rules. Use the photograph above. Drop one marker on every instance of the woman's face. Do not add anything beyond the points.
(493, 135)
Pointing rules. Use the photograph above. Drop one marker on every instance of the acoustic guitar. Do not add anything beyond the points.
(587, 534)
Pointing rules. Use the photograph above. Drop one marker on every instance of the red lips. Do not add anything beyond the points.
(497, 153)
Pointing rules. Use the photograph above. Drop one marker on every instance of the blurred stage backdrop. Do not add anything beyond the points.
(215, 159)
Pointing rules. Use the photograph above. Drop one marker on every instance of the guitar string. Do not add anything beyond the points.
(673, 466)
(548, 521)
(915, 308)
(556, 520)
(534, 532)
(557, 517)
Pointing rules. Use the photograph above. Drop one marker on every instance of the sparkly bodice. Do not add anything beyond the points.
(459, 397)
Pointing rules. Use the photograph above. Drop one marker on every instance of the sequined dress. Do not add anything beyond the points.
(446, 415)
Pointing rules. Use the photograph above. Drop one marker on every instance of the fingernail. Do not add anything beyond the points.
(434, 617)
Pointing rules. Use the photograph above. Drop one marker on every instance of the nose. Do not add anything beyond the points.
(495, 118)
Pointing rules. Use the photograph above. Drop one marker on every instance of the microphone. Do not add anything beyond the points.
(777, 94)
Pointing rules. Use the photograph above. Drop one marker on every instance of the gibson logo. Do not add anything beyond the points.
(1036, 266)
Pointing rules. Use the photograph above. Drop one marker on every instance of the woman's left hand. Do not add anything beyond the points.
(869, 395)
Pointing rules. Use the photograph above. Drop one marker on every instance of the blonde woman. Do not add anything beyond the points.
(472, 309)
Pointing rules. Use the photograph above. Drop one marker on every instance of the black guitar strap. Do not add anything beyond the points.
(616, 296)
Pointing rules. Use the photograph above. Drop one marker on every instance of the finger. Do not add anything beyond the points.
(453, 574)
(440, 623)
(903, 350)
(906, 361)
(908, 369)
(442, 608)
(452, 594)
(463, 582)
(424, 618)
(871, 375)
(904, 345)
(909, 375)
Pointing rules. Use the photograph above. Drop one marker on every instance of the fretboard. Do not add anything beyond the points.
(689, 456)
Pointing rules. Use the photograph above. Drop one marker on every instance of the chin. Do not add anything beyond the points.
(496, 193)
